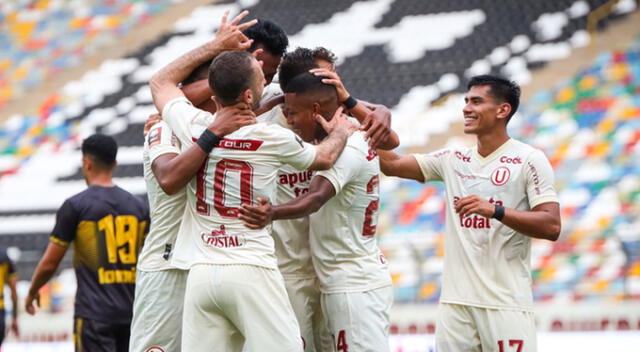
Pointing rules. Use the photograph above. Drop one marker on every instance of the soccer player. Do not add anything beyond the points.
(8, 276)
(157, 309)
(500, 194)
(233, 271)
(291, 236)
(354, 278)
(106, 225)
(269, 42)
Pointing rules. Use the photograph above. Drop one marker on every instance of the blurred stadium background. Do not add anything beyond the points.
(69, 68)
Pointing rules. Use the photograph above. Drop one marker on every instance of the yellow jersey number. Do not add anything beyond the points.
(122, 234)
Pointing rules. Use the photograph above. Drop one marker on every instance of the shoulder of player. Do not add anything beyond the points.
(526, 151)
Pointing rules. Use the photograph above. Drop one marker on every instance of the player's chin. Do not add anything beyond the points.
(471, 129)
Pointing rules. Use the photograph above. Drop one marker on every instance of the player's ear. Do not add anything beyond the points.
(87, 163)
(504, 110)
(247, 96)
(316, 108)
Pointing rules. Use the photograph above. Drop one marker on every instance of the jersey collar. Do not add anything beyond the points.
(493, 155)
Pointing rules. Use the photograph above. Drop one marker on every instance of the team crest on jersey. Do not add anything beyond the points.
(154, 349)
(154, 136)
(220, 239)
(500, 176)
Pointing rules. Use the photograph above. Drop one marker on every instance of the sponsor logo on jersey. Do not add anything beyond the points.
(294, 178)
(154, 136)
(508, 160)
(500, 176)
(240, 144)
(463, 176)
(220, 239)
(476, 221)
(535, 177)
(167, 251)
(440, 153)
(466, 159)
(154, 349)
(371, 154)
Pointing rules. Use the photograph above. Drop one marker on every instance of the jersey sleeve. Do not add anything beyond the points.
(347, 167)
(180, 114)
(64, 230)
(161, 140)
(539, 180)
(431, 164)
(294, 151)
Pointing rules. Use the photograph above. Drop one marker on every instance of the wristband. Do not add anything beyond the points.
(208, 140)
(350, 103)
(498, 214)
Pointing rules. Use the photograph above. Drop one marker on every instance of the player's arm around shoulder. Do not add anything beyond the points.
(257, 217)
(403, 166)
(174, 170)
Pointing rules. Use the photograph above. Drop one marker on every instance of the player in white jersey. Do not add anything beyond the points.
(291, 237)
(232, 269)
(354, 279)
(157, 308)
(500, 194)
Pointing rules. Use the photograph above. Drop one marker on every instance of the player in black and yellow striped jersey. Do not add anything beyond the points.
(106, 225)
(9, 277)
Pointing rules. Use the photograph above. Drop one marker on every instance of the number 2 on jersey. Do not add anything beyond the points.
(369, 229)
(223, 168)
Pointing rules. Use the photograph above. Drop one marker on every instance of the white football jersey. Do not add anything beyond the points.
(291, 236)
(165, 210)
(271, 91)
(343, 245)
(487, 264)
(242, 168)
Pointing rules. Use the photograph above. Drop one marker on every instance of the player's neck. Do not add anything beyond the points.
(100, 179)
(488, 143)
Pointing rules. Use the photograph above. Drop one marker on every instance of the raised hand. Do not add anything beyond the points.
(256, 217)
(333, 79)
(151, 120)
(229, 35)
(377, 125)
(230, 118)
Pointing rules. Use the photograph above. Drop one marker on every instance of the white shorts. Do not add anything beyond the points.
(304, 294)
(359, 321)
(228, 305)
(468, 328)
(157, 310)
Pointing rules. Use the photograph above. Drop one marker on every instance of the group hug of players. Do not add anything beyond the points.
(263, 205)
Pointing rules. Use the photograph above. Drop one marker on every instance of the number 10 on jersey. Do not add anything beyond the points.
(227, 170)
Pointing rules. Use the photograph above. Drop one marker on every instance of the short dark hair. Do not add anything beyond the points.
(301, 60)
(201, 72)
(230, 74)
(322, 53)
(294, 63)
(102, 149)
(502, 89)
(265, 32)
(309, 83)
(269, 35)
